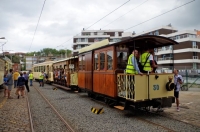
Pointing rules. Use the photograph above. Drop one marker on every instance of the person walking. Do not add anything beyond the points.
(5, 85)
(26, 81)
(31, 78)
(15, 76)
(10, 83)
(178, 80)
(20, 85)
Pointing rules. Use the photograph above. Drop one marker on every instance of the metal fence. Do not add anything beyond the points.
(191, 76)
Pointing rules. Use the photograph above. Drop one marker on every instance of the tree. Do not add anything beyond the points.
(47, 51)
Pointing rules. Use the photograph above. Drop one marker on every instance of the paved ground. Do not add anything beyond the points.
(14, 115)
(14, 112)
(189, 107)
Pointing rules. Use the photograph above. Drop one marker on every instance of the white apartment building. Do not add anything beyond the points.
(185, 55)
(88, 37)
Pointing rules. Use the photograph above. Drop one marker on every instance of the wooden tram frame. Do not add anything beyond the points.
(104, 82)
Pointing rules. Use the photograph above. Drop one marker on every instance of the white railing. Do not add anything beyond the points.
(166, 58)
(195, 57)
(195, 46)
(167, 48)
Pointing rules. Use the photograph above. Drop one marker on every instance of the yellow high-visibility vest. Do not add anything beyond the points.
(130, 68)
(144, 57)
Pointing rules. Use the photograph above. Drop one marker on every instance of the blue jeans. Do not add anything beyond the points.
(31, 82)
(15, 83)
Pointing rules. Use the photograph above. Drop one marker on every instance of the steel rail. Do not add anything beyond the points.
(150, 122)
(57, 113)
(29, 112)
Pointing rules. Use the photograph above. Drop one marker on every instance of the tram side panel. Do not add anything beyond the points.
(88, 71)
(103, 77)
(2, 66)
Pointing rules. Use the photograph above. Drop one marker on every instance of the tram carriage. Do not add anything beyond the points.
(5, 66)
(46, 67)
(68, 72)
(102, 74)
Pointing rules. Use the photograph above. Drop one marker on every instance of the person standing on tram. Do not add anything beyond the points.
(132, 66)
(147, 61)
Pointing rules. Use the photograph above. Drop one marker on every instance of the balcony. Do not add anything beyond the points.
(195, 47)
(166, 60)
(195, 57)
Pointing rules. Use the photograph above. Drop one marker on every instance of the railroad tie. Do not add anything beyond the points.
(97, 110)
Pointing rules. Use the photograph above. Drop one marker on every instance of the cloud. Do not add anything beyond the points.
(61, 20)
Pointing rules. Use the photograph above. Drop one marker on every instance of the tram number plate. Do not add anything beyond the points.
(155, 87)
(71, 66)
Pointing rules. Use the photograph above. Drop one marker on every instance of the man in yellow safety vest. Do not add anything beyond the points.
(132, 66)
(147, 62)
(31, 78)
(41, 78)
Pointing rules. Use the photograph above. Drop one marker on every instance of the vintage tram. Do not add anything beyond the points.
(5, 65)
(100, 70)
(66, 73)
(102, 74)
(46, 67)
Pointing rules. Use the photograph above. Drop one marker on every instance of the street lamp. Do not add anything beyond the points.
(3, 44)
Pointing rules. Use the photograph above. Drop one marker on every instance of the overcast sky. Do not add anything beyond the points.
(63, 19)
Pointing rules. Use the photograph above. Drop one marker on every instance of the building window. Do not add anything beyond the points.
(95, 33)
(110, 60)
(102, 61)
(194, 65)
(116, 34)
(194, 44)
(156, 32)
(96, 62)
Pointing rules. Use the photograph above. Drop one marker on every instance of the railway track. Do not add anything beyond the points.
(67, 126)
(29, 112)
(154, 115)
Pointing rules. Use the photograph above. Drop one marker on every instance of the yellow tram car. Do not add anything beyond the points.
(5, 66)
(46, 67)
(66, 72)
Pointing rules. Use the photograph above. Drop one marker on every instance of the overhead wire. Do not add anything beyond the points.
(160, 15)
(37, 25)
(126, 13)
(97, 21)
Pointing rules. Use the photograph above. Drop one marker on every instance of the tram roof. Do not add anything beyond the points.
(144, 41)
(94, 46)
(44, 63)
(148, 41)
(65, 59)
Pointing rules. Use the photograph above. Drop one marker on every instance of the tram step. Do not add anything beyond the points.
(119, 107)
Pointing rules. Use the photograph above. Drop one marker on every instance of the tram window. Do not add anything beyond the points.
(122, 59)
(110, 60)
(80, 62)
(83, 63)
(102, 61)
(96, 62)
